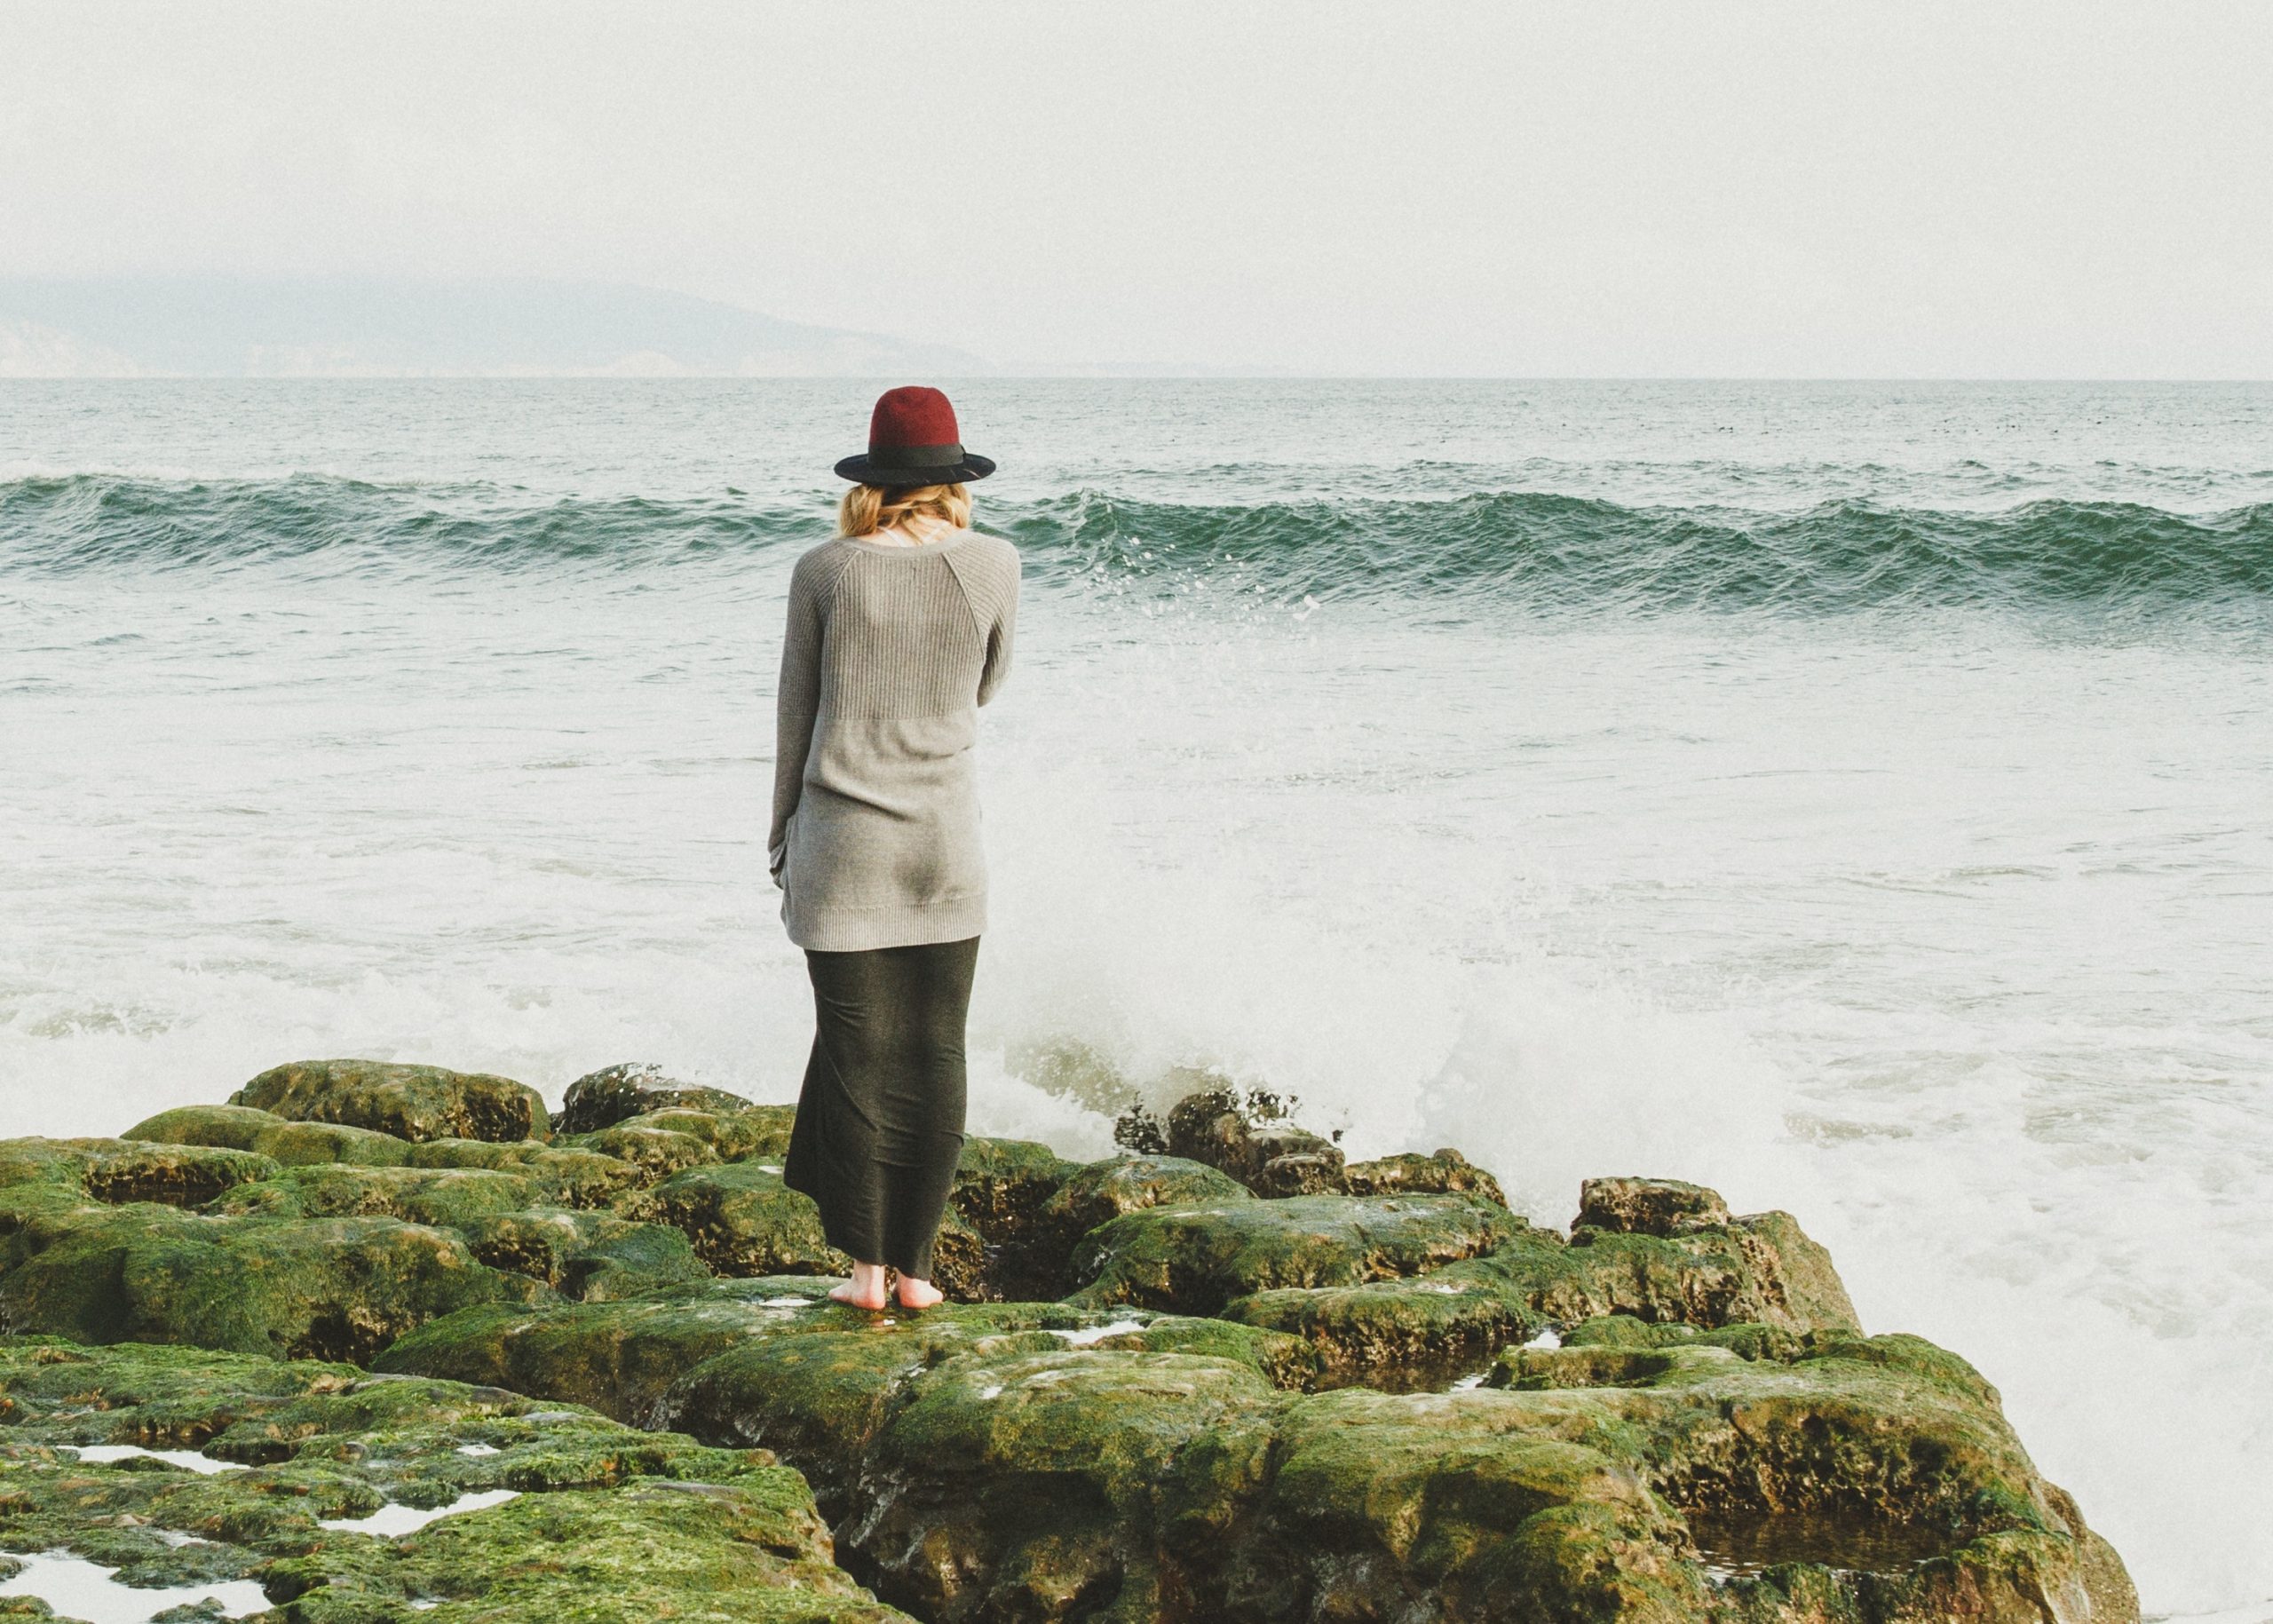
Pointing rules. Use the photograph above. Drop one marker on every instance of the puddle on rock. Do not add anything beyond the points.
(78, 1588)
(1735, 1546)
(392, 1521)
(1090, 1336)
(189, 1459)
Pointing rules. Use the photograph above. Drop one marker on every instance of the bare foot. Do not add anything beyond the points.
(865, 1289)
(919, 1294)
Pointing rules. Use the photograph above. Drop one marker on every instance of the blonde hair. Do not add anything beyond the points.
(867, 509)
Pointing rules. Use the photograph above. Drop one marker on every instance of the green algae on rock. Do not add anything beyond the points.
(588, 1256)
(293, 1144)
(658, 1153)
(1196, 1259)
(445, 1196)
(119, 1171)
(1445, 1172)
(604, 1522)
(742, 1220)
(1401, 1335)
(323, 1288)
(740, 1135)
(1183, 1439)
(1100, 1191)
(409, 1101)
(1760, 1268)
(230, 1127)
(633, 1088)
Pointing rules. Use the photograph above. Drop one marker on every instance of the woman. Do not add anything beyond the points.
(899, 629)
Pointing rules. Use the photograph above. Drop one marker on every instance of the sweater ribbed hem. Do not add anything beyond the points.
(950, 919)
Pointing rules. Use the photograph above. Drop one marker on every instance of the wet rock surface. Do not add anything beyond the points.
(410, 1102)
(1246, 1138)
(1252, 1382)
(1445, 1172)
(604, 1097)
(1648, 1206)
(269, 1466)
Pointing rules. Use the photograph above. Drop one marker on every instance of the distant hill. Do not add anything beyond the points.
(372, 327)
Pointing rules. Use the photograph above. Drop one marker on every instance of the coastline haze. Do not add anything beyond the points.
(1654, 190)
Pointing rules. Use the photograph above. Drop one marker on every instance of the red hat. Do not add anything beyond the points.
(913, 439)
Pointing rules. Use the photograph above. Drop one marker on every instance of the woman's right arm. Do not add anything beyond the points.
(1002, 634)
(796, 698)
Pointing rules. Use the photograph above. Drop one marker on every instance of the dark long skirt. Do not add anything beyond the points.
(879, 1122)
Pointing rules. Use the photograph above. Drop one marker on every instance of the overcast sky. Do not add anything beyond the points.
(1685, 188)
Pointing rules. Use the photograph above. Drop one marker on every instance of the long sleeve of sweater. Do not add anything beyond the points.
(994, 605)
(796, 703)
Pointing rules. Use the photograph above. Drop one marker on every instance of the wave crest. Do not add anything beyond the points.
(1515, 548)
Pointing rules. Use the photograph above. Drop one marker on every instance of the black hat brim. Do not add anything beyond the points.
(862, 472)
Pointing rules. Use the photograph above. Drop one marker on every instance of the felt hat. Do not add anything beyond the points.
(913, 439)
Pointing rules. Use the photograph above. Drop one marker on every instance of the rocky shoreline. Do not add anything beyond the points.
(1224, 1375)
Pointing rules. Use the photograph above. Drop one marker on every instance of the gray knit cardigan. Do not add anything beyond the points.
(889, 652)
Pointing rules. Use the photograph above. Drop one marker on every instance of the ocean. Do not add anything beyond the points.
(1858, 797)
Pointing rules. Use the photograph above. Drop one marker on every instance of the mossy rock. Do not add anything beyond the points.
(586, 1256)
(119, 1171)
(562, 1175)
(633, 1088)
(495, 1155)
(733, 1136)
(1401, 1335)
(1649, 1206)
(229, 1127)
(1269, 1155)
(607, 1523)
(410, 1102)
(617, 1357)
(449, 1198)
(1447, 1172)
(1461, 1504)
(1760, 1269)
(330, 1288)
(742, 1219)
(1050, 1461)
(1752, 1342)
(1196, 1259)
(657, 1152)
(819, 1396)
(1001, 1185)
(314, 1145)
(751, 1549)
(1097, 1192)
(1060, 1485)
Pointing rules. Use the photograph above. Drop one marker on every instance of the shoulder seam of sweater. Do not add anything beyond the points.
(969, 603)
(824, 588)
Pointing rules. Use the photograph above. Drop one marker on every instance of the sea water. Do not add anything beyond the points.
(1853, 796)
